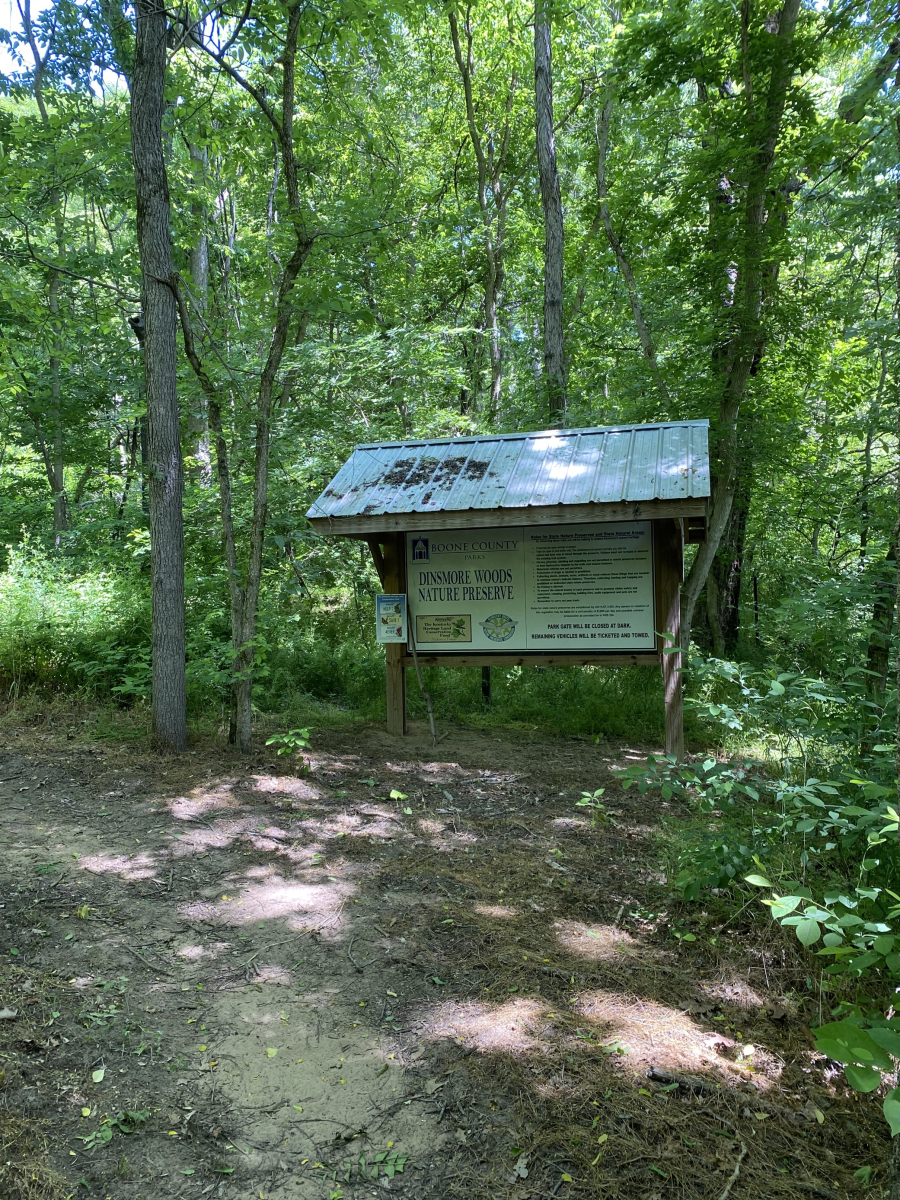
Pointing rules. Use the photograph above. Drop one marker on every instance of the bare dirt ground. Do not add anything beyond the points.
(413, 970)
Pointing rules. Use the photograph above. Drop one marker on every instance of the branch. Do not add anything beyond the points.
(637, 312)
(219, 57)
(852, 104)
(209, 388)
(110, 287)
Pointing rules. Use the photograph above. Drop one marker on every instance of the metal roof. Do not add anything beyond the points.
(622, 463)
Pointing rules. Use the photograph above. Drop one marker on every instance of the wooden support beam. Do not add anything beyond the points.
(377, 557)
(394, 581)
(668, 554)
(377, 524)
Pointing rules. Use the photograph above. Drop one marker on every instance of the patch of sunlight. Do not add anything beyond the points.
(203, 800)
(289, 785)
(427, 825)
(652, 1034)
(735, 991)
(385, 825)
(126, 866)
(514, 1026)
(594, 942)
(193, 953)
(301, 905)
(199, 841)
(496, 910)
(272, 973)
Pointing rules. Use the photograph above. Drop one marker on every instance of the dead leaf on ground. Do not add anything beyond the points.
(432, 1085)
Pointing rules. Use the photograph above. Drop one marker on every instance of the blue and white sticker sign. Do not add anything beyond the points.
(390, 618)
(540, 588)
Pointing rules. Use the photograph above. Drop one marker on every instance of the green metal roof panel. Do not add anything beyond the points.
(666, 461)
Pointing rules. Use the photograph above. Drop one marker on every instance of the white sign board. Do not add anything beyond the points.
(540, 588)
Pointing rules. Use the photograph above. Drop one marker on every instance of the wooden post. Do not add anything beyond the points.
(668, 551)
(394, 582)
(486, 684)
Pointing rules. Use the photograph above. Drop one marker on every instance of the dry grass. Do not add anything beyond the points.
(25, 1171)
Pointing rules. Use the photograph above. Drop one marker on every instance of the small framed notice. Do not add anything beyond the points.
(390, 618)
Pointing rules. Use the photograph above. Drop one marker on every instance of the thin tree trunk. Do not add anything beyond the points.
(166, 481)
(645, 337)
(743, 349)
(491, 204)
(726, 573)
(554, 354)
(245, 595)
(54, 459)
(712, 616)
(197, 422)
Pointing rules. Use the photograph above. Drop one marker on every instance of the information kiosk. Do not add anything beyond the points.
(556, 548)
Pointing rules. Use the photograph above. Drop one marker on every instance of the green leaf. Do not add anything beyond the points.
(887, 1039)
(862, 1079)
(892, 1110)
(808, 931)
(846, 1042)
(757, 880)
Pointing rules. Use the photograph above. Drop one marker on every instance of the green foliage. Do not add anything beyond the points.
(868, 1046)
(127, 1121)
(295, 741)
(592, 801)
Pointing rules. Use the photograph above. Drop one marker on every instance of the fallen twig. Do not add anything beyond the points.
(689, 1082)
(359, 966)
(734, 1174)
(147, 962)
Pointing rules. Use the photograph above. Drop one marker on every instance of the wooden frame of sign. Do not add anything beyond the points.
(670, 531)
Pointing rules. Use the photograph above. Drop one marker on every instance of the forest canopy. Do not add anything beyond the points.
(412, 220)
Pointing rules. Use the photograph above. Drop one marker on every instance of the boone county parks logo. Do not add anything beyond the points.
(420, 550)
(498, 628)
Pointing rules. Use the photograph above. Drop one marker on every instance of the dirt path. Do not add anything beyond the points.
(307, 988)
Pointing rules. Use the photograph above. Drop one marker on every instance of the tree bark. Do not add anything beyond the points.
(53, 458)
(244, 588)
(554, 351)
(625, 270)
(166, 479)
(197, 422)
(740, 351)
(726, 575)
(490, 166)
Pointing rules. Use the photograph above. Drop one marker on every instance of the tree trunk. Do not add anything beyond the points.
(645, 337)
(166, 480)
(197, 422)
(490, 164)
(726, 574)
(554, 356)
(245, 595)
(53, 457)
(738, 355)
